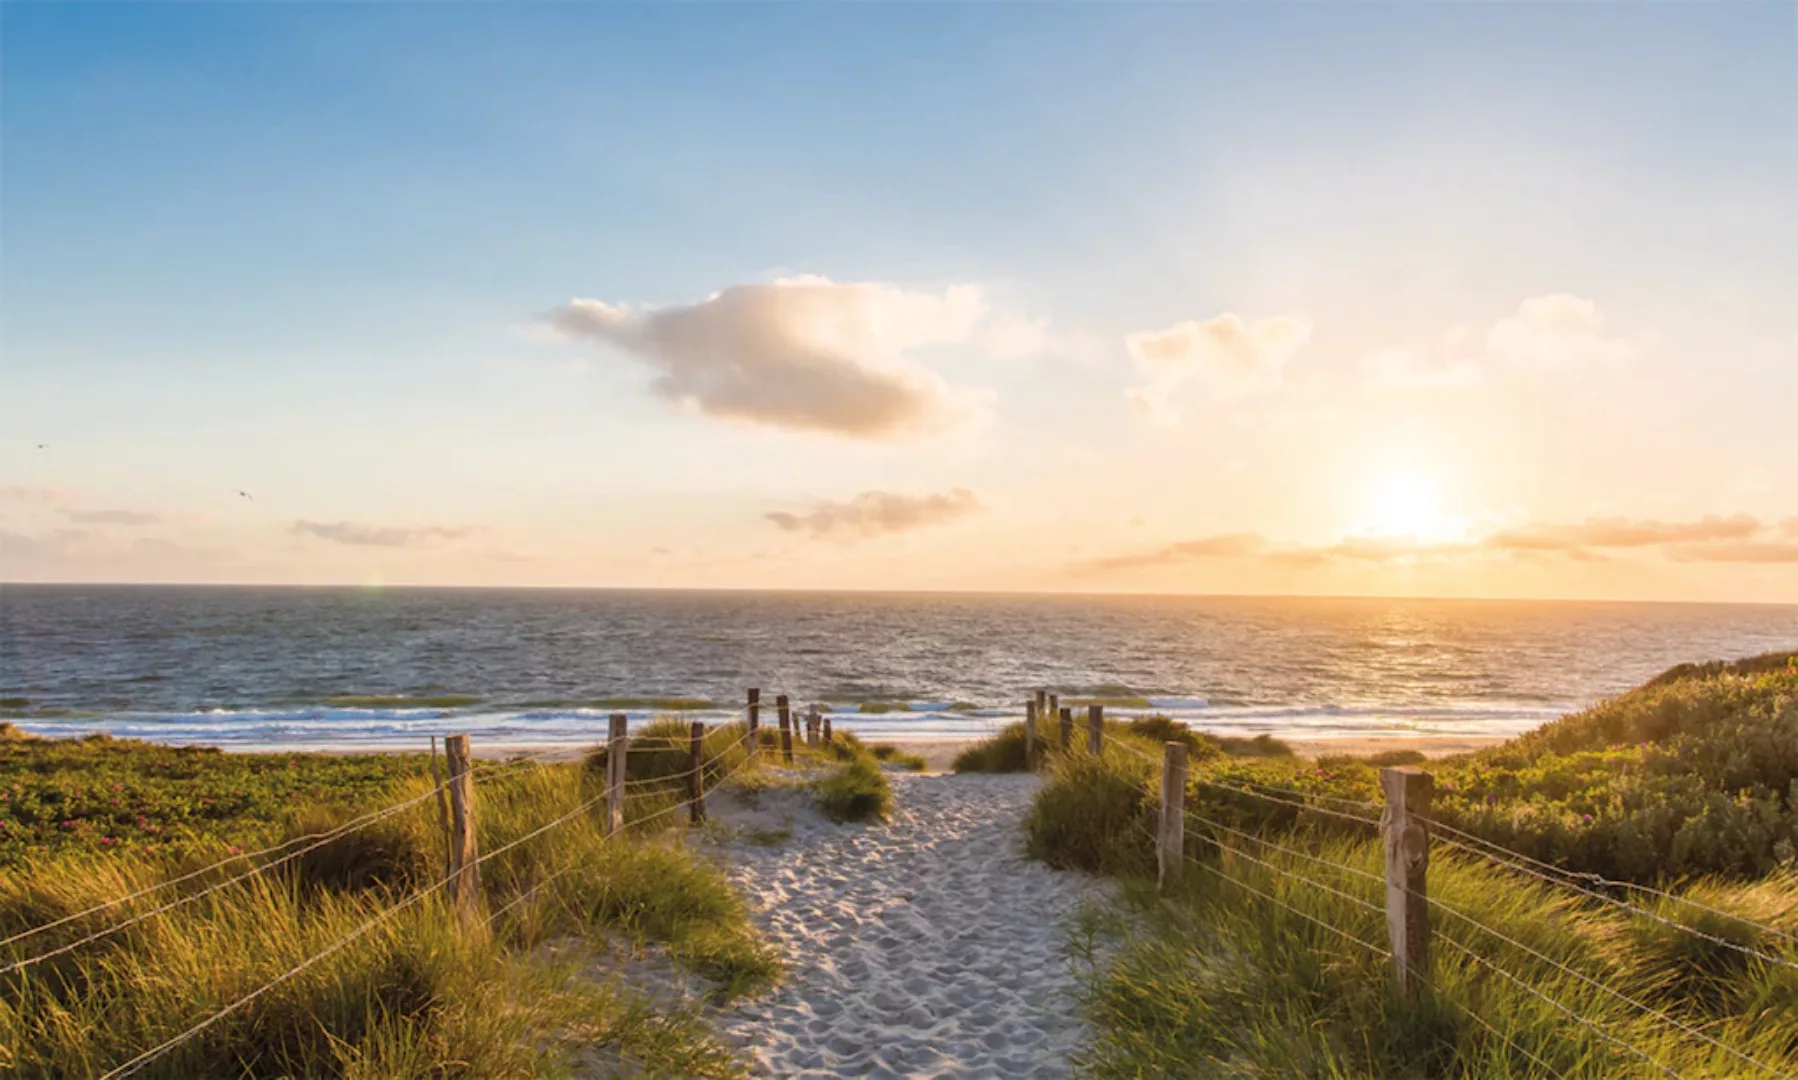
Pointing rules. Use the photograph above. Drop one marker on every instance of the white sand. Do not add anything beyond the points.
(927, 947)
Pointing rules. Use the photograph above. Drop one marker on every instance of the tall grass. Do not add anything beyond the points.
(1004, 751)
(1249, 969)
(1240, 973)
(416, 995)
(857, 791)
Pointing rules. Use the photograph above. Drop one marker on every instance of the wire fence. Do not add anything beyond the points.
(805, 737)
(687, 788)
(1406, 896)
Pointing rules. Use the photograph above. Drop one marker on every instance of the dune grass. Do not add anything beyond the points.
(1221, 980)
(1248, 969)
(856, 791)
(414, 995)
(1004, 751)
(888, 754)
(661, 750)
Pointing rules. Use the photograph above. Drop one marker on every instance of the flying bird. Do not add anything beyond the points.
(247, 495)
(43, 446)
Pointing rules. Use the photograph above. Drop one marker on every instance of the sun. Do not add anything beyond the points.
(1406, 504)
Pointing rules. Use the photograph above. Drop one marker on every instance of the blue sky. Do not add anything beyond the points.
(316, 253)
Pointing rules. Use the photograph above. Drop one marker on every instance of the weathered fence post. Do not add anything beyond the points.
(1095, 729)
(827, 734)
(464, 849)
(1054, 704)
(1170, 851)
(812, 726)
(755, 717)
(696, 780)
(1029, 735)
(1067, 729)
(618, 747)
(786, 728)
(1407, 843)
(443, 813)
(1042, 702)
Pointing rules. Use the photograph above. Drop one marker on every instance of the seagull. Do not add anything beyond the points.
(247, 495)
(43, 446)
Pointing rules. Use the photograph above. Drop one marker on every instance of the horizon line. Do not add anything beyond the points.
(365, 586)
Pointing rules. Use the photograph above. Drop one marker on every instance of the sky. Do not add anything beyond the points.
(1461, 300)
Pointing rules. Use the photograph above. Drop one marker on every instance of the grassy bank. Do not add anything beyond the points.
(1266, 961)
(401, 988)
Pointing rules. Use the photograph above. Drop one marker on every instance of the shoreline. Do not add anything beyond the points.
(938, 753)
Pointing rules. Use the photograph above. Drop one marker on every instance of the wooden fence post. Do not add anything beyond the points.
(618, 748)
(786, 728)
(1054, 704)
(464, 849)
(755, 717)
(1407, 843)
(1095, 729)
(1170, 852)
(443, 811)
(827, 734)
(1042, 702)
(1067, 729)
(811, 726)
(1029, 735)
(696, 781)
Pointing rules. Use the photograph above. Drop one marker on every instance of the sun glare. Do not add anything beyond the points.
(1406, 504)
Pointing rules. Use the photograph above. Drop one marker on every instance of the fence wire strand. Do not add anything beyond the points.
(379, 918)
(1647, 1010)
(330, 834)
(504, 769)
(1523, 864)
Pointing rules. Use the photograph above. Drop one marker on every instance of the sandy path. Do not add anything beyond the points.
(928, 947)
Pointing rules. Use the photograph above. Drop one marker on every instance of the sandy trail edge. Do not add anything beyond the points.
(927, 947)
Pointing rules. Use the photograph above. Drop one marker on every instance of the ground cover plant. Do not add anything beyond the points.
(96, 794)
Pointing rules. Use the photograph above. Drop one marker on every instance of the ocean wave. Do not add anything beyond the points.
(397, 728)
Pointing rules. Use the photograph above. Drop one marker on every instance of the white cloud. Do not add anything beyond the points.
(1557, 330)
(26, 493)
(806, 353)
(110, 517)
(1233, 356)
(876, 513)
(1402, 369)
(1012, 337)
(360, 535)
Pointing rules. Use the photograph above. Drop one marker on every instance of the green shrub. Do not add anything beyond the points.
(856, 792)
(1682, 778)
(1773, 663)
(1094, 814)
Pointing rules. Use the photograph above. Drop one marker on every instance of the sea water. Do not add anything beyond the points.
(258, 667)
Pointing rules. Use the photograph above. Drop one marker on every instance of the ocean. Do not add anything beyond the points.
(256, 667)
